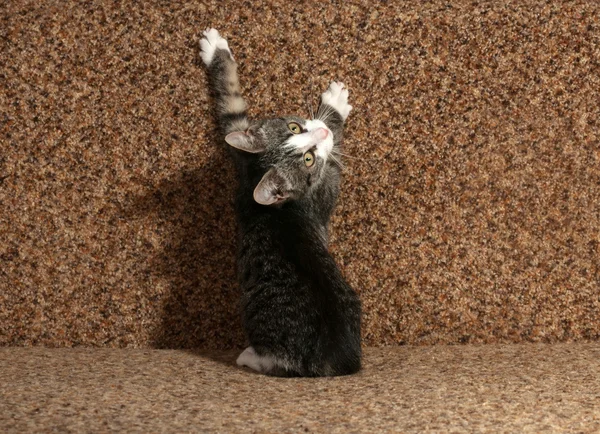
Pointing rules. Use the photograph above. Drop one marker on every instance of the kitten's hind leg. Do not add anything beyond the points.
(250, 359)
(262, 364)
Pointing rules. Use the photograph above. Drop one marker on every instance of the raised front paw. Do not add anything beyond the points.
(337, 97)
(210, 43)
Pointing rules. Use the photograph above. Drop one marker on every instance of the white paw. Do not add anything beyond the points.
(210, 43)
(337, 97)
(253, 361)
(249, 358)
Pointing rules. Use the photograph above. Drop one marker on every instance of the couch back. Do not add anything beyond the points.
(470, 206)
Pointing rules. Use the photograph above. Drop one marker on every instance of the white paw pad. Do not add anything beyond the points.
(210, 43)
(337, 97)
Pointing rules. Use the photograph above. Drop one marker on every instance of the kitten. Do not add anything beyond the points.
(300, 316)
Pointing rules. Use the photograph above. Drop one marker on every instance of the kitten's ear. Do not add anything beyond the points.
(244, 141)
(271, 189)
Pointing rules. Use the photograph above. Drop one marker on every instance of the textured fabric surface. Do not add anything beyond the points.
(490, 388)
(470, 207)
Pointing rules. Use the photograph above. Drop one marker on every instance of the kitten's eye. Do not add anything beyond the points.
(294, 128)
(309, 159)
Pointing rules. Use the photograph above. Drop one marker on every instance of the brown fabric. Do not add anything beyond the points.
(470, 209)
(493, 388)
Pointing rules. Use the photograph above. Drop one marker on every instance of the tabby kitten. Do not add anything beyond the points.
(300, 316)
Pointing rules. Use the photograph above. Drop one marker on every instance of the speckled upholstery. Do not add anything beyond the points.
(486, 388)
(470, 208)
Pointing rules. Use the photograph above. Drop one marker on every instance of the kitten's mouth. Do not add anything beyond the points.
(324, 142)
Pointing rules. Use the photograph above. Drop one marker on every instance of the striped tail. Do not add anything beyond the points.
(231, 107)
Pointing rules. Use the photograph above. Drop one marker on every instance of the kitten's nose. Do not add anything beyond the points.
(320, 133)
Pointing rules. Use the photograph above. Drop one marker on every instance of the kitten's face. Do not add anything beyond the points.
(294, 153)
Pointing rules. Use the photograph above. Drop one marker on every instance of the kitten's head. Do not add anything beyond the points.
(292, 151)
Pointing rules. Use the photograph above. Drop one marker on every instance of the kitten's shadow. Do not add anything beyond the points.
(194, 215)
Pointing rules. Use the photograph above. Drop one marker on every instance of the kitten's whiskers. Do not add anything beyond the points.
(309, 102)
(310, 109)
(323, 115)
(341, 154)
(337, 161)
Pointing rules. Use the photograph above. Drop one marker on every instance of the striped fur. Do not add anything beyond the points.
(300, 315)
(231, 107)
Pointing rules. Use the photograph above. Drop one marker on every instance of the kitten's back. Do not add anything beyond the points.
(298, 308)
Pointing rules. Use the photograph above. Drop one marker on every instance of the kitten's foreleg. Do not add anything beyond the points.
(334, 109)
(336, 96)
(231, 107)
